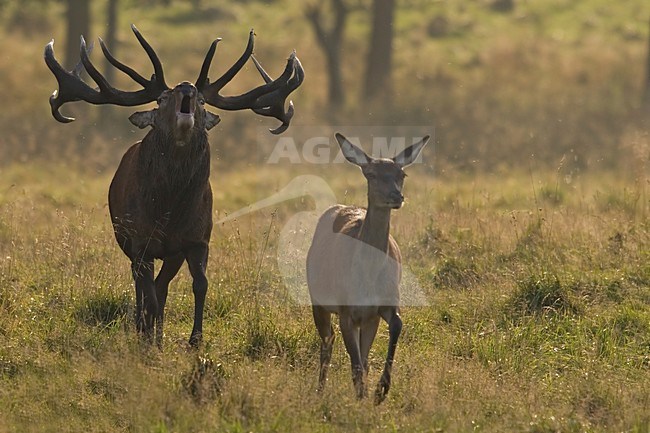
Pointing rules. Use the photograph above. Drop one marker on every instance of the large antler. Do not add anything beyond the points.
(73, 88)
(266, 100)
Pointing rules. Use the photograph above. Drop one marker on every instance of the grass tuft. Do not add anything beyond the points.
(541, 295)
(456, 273)
(205, 380)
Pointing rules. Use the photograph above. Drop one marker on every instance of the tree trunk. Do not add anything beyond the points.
(335, 90)
(379, 64)
(107, 111)
(78, 23)
(111, 39)
(330, 41)
(646, 93)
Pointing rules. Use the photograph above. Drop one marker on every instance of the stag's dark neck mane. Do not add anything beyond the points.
(173, 177)
(162, 157)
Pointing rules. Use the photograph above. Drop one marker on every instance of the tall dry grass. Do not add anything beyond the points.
(536, 320)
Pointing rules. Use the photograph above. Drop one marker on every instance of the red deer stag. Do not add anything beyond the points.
(354, 267)
(160, 198)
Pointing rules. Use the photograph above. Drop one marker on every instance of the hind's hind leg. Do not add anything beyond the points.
(323, 321)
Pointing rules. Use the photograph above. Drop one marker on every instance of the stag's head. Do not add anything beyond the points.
(180, 114)
(180, 109)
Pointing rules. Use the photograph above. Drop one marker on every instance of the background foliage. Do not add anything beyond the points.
(544, 80)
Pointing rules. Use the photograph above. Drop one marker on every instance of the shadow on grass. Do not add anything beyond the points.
(105, 310)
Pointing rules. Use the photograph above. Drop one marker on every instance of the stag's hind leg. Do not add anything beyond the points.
(390, 315)
(197, 260)
(323, 321)
(168, 271)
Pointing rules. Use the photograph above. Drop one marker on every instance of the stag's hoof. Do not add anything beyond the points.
(382, 389)
(195, 340)
(361, 390)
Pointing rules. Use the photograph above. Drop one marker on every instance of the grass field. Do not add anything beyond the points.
(537, 320)
(526, 230)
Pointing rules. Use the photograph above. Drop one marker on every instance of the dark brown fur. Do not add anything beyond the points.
(160, 202)
(160, 198)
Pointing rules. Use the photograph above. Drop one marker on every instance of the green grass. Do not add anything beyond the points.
(536, 323)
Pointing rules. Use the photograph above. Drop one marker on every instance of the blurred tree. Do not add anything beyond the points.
(111, 40)
(26, 15)
(379, 64)
(195, 3)
(502, 5)
(330, 41)
(107, 112)
(77, 17)
(646, 94)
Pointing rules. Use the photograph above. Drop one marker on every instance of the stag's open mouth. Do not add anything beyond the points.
(184, 112)
(185, 105)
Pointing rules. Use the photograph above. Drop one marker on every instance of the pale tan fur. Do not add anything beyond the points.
(354, 267)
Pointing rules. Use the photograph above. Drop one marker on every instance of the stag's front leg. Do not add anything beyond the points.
(169, 269)
(394, 330)
(146, 301)
(197, 259)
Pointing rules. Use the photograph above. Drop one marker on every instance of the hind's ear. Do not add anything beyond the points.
(142, 119)
(410, 154)
(352, 152)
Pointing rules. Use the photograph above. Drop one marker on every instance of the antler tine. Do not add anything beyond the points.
(272, 104)
(73, 88)
(267, 78)
(79, 67)
(250, 98)
(267, 99)
(203, 80)
(135, 76)
(92, 71)
(155, 61)
(232, 71)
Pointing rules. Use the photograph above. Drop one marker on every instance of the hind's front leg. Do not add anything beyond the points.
(394, 331)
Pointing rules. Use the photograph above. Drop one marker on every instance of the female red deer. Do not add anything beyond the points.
(160, 198)
(354, 267)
